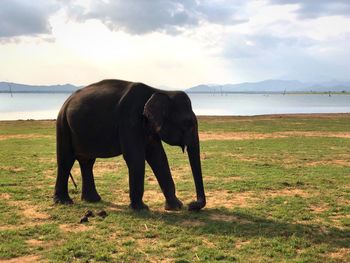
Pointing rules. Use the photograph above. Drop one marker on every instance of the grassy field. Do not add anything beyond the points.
(278, 190)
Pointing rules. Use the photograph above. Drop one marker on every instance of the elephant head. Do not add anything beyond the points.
(170, 115)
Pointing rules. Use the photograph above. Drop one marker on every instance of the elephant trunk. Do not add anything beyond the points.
(193, 150)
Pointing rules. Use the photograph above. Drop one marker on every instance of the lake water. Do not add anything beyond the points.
(46, 106)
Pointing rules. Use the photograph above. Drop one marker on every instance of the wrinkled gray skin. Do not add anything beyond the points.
(115, 117)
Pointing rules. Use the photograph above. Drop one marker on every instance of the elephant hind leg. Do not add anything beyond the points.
(89, 192)
(65, 162)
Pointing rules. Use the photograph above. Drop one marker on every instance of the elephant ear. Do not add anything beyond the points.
(156, 110)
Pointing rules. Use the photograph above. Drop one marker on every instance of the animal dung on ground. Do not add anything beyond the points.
(89, 213)
(84, 219)
(102, 213)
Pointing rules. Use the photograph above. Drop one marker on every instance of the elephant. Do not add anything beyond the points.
(116, 117)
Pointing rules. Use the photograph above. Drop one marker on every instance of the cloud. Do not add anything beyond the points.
(263, 56)
(169, 16)
(314, 9)
(238, 46)
(23, 18)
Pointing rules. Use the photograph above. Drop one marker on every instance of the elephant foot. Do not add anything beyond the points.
(173, 205)
(139, 206)
(196, 205)
(62, 199)
(91, 198)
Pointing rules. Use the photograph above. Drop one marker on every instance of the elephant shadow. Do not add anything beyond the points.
(222, 222)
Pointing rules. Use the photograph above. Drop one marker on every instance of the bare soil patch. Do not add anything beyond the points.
(153, 196)
(339, 162)
(222, 198)
(178, 172)
(285, 192)
(34, 242)
(224, 179)
(319, 208)
(13, 169)
(192, 223)
(24, 259)
(207, 136)
(240, 157)
(30, 211)
(340, 254)
(242, 243)
(75, 228)
(23, 136)
(228, 218)
(5, 196)
(19, 227)
(101, 168)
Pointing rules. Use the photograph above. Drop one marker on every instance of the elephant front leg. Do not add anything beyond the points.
(156, 158)
(136, 165)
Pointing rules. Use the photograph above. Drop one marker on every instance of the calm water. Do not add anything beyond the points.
(46, 106)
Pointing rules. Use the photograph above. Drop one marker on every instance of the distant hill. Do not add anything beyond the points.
(5, 87)
(273, 86)
(266, 86)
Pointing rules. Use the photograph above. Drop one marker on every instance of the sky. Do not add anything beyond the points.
(173, 43)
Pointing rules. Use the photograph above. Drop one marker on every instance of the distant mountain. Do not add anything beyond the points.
(273, 86)
(266, 86)
(6, 87)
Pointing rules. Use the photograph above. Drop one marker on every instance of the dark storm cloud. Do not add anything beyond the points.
(318, 8)
(144, 16)
(23, 18)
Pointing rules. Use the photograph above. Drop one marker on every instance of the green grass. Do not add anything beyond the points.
(269, 200)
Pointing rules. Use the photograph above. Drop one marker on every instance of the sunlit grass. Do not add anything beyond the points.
(269, 200)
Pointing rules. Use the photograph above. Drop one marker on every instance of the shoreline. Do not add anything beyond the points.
(270, 116)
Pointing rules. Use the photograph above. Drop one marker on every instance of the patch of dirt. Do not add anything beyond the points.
(24, 259)
(319, 208)
(50, 173)
(46, 160)
(223, 198)
(228, 218)
(115, 207)
(5, 196)
(224, 179)
(242, 243)
(178, 172)
(101, 168)
(19, 227)
(242, 158)
(206, 136)
(153, 196)
(74, 228)
(13, 169)
(192, 223)
(23, 136)
(208, 243)
(345, 163)
(30, 211)
(342, 253)
(35, 242)
(285, 192)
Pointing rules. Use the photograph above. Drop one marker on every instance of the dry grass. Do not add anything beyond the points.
(24, 259)
(23, 136)
(219, 136)
(29, 210)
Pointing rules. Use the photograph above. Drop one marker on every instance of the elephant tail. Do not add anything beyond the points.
(73, 181)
